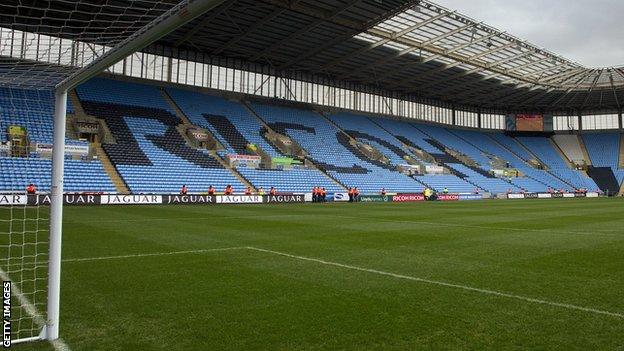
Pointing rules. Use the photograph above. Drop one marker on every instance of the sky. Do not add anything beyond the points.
(590, 32)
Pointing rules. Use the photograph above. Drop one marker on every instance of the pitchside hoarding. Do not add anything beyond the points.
(188, 199)
(295, 198)
(131, 199)
(466, 197)
(97, 199)
(239, 199)
(374, 198)
(35, 200)
(408, 198)
(148, 199)
(11, 199)
(551, 195)
(339, 197)
(448, 197)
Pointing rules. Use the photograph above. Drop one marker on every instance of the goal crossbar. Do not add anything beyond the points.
(177, 16)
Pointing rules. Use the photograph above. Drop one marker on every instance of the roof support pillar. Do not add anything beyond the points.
(580, 121)
(169, 68)
(453, 120)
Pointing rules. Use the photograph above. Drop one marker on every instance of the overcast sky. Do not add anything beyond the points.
(590, 32)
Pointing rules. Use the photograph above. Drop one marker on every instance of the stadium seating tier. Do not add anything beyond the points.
(151, 156)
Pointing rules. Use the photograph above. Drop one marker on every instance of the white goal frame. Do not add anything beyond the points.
(177, 16)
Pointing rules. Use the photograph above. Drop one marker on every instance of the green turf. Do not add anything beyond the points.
(561, 251)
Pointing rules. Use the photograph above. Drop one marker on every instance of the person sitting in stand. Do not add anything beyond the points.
(228, 190)
(211, 190)
(383, 191)
(31, 189)
(351, 194)
(183, 191)
(261, 191)
(356, 194)
(273, 191)
(248, 191)
(476, 191)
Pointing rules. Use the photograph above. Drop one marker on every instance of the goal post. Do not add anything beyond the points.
(61, 74)
(56, 215)
(182, 13)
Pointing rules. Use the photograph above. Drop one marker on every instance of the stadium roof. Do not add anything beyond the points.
(412, 47)
(408, 46)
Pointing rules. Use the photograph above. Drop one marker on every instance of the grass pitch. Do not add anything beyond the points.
(526, 274)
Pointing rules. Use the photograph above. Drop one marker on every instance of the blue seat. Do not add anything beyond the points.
(34, 110)
(543, 148)
(80, 176)
(330, 149)
(150, 155)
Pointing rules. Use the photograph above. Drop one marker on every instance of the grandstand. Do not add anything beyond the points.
(156, 102)
(152, 156)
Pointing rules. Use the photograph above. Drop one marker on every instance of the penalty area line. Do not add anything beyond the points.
(444, 284)
(169, 253)
(367, 270)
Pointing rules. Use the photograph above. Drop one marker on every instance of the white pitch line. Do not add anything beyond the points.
(445, 284)
(170, 253)
(368, 270)
(57, 344)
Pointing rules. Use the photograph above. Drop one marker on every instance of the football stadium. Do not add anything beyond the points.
(303, 175)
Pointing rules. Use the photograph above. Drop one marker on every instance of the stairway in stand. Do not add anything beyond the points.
(72, 96)
(175, 107)
(586, 157)
(120, 185)
(561, 153)
(308, 160)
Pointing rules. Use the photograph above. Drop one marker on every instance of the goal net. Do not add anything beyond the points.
(48, 47)
(24, 233)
